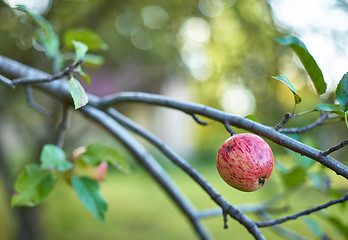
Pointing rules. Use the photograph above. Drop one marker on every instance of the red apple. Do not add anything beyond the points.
(245, 161)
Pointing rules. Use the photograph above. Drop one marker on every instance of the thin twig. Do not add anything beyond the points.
(285, 119)
(335, 148)
(301, 213)
(281, 230)
(33, 104)
(68, 71)
(318, 122)
(63, 126)
(228, 128)
(6, 81)
(199, 121)
(225, 219)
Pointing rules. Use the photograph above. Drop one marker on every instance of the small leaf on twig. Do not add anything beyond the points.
(342, 92)
(86, 36)
(95, 154)
(53, 157)
(78, 93)
(252, 118)
(331, 108)
(288, 83)
(46, 36)
(93, 60)
(32, 186)
(80, 50)
(88, 191)
(84, 75)
(307, 60)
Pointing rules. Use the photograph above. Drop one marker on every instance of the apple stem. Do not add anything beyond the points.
(225, 219)
(228, 128)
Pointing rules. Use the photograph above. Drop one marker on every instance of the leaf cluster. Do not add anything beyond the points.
(37, 181)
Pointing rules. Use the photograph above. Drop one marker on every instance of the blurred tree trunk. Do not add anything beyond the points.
(26, 219)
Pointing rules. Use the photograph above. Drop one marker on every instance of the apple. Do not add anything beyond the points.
(83, 169)
(245, 161)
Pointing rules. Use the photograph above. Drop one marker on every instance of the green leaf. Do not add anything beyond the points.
(53, 157)
(32, 186)
(304, 162)
(252, 118)
(342, 92)
(346, 118)
(93, 60)
(86, 36)
(84, 75)
(331, 108)
(307, 60)
(339, 224)
(313, 226)
(80, 50)
(320, 181)
(88, 191)
(96, 154)
(77, 93)
(288, 83)
(46, 36)
(295, 177)
(281, 167)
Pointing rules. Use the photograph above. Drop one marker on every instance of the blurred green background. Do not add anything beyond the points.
(219, 53)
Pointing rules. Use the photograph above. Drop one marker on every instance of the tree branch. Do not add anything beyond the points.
(318, 122)
(6, 81)
(240, 122)
(335, 148)
(33, 104)
(60, 91)
(175, 158)
(150, 164)
(68, 71)
(301, 213)
(281, 230)
(285, 119)
(63, 126)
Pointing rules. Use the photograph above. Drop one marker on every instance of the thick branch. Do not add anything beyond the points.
(149, 163)
(175, 158)
(61, 92)
(240, 122)
(301, 213)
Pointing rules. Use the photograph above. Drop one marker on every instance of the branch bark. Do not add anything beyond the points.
(149, 163)
(302, 213)
(195, 175)
(237, 121)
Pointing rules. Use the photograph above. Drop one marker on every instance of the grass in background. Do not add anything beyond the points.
(139, 210)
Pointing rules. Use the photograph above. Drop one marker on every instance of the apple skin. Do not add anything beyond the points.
(245, 161)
